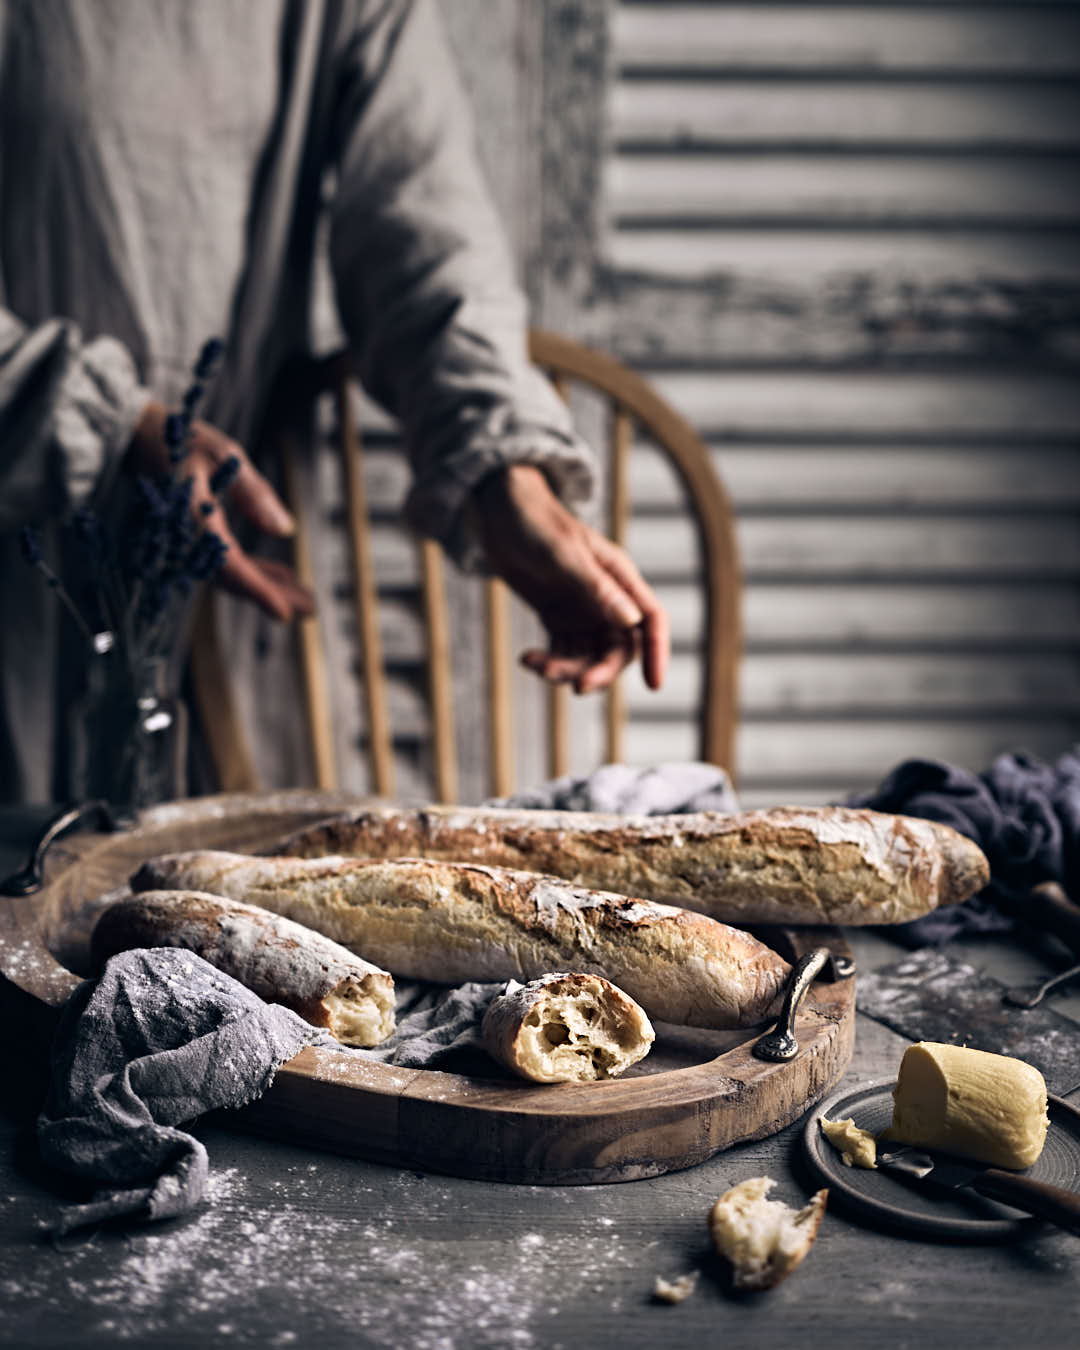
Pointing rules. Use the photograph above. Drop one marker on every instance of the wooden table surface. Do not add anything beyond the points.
(299, 1248)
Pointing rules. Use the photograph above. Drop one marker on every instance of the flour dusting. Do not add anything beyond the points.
(373, 1273)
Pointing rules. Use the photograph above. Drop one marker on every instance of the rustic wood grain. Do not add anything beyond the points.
(887, 39)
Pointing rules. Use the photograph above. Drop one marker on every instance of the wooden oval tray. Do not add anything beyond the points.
(695, 1094)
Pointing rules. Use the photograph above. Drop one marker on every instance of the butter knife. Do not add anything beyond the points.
(1053, 1203)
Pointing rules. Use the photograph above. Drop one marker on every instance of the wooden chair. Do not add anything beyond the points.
(634, 409)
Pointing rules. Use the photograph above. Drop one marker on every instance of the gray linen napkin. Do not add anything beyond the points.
(438, 1027)
(160, 1039)
(662, 790)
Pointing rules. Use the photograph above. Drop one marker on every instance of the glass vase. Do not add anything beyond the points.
(131, 736)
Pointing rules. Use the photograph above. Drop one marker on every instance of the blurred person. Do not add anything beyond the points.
(166, 171)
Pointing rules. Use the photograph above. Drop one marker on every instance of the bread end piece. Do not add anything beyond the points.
(965, 869)
(763, 1240)
(281, 961)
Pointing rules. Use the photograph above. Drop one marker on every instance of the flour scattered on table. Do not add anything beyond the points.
(370, 1273)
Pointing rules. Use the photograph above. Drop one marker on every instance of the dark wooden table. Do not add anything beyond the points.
(298, 1248)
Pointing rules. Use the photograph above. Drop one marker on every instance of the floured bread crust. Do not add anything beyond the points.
(451, 922)
(566, 1028)
(763, 1239)
(805, 865)
(281, 961)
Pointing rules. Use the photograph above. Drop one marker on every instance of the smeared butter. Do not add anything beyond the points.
(858, 1148)
(990, 1108)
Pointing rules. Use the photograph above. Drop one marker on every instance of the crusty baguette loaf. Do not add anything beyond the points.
(566, 1028)
(804, 865)
(462, 921)
(279, 960)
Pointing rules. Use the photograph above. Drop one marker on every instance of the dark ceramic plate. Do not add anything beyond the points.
(884, 1200)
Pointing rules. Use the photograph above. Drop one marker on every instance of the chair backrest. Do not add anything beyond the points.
(634, 410)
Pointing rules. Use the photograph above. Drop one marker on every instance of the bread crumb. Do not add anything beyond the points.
(674, 1291)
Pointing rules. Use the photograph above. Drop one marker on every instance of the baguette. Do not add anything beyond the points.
(787, 865)
(451, 922)
(566, 1028)
(277, 959)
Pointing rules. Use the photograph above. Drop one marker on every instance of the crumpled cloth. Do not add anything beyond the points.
(159, 1039)
(438, 1027)
(162, 1037)
(663, 789)
(1023, 814)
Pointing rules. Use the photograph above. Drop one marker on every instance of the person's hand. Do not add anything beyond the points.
(272, 585)
(599, 612)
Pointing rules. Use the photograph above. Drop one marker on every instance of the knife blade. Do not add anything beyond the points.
(1052, 1203)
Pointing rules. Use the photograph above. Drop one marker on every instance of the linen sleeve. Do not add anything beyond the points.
(425, 285)
(67, 412)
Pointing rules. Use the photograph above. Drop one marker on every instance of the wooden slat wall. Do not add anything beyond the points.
(843, 240)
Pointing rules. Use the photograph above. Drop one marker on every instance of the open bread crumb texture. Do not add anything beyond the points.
(580, 1036)
(764, 1240)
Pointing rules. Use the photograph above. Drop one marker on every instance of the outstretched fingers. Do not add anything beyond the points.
(652, 626)
(271, 585)
(254, 497)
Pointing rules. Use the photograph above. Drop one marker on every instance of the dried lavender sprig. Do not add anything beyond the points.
(160, 558)
(204, 559)
(30, 546)
(176, 434)
(222, 477)
(178, 424)
(96, 547)
(147, 544)
(210, 355)
(103, 563)
(206, 556)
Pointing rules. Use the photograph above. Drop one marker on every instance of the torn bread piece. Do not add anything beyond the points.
(566, 1028)
(451, 922)
(764, 1240)
(281, 961)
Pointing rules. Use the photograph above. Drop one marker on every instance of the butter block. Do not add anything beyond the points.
(989, 1108)
(858, 1147)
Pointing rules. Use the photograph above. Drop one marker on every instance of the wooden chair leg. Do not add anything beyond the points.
(500, 696)
(230, 754)
(368, 635)
(312, 653)
(558, 698)
(440, 672)
(622, 431)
